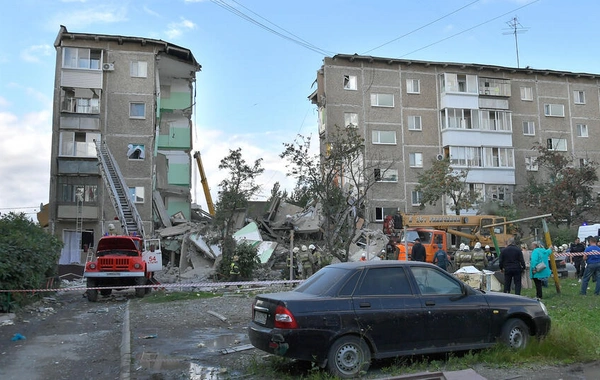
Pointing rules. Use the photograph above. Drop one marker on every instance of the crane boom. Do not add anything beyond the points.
(209, 202)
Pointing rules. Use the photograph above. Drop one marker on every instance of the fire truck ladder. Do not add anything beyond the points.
(79, 222)
(119, 192)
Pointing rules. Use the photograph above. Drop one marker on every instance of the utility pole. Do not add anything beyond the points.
(516, 28)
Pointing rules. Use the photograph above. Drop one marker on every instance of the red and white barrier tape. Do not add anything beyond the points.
(180, 285)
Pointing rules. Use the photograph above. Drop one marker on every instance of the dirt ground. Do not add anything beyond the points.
(69, 338)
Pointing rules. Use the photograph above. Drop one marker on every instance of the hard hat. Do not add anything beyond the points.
(311, 247)
(236, 258)
(111, 226)
(487, 247)
(477, 245)
(303, 248)
(565, 246)
(462, 245)
(466, 248)
(364, 255)
(383, 251)
(296, 249)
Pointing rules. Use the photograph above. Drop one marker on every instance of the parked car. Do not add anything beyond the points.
(348, 313)
(561, 266)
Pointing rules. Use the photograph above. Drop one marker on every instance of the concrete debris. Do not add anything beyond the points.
(245, 347)
(221, 317)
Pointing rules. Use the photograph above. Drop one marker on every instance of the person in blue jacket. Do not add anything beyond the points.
(591, 256)
(539, 254)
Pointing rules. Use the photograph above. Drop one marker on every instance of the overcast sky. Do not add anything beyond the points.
(259, 61)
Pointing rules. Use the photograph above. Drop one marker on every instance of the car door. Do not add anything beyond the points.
(388, 311)
(453, 316)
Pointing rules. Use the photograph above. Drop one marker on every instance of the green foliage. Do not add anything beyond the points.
(441, 180)
(562, 188)
(28, 255)
(247, 259)
(162, 296)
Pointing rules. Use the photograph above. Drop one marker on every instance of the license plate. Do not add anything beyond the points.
(260, 317)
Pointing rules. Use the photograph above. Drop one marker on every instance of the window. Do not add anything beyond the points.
(459, 83)
(80, 100)
(384, 282)
(416, 160)
(529, 128)
(414, 123)
(137, 110)
(136, 152)
(466, 156)
(527, 93)
(431, 281)
(76, 58)
(382, 212)
(382, 100)
(495, 120)
(557, 144)
(384, 137)
(138, 69)
(499, 158)
(582, 130)
(350, 119)
(386, 175)
(136, 194)
(531, 164)
(78, 144)
(458, 118)
(70, 189)
(498, 193)
(579, 97)
(349, 82)
(416, 197)
(494, 86)
(557, 110)
(413, 86)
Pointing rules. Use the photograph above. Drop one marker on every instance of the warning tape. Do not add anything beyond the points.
(577, 254)
(157, 286)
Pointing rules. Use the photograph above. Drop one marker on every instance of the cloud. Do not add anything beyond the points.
(176, 29)
(82, 19)
(25, 164)
(36, 52)
(151, 12)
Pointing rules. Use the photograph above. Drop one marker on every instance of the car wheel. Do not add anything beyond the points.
(348, 357)
(515, 334)
(140, 292)
(92, 294)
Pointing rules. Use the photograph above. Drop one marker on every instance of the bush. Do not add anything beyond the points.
(28, 257)
(247, 260)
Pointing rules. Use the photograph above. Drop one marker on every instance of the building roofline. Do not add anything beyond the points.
(476, 66)
(178, 52)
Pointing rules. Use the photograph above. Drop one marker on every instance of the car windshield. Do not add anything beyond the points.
(322, 281)
(412, 235)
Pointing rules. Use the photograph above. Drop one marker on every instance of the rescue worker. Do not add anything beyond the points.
(463, 258)
(292, 262)
(478, 256)
(489, 255)
(441, 258)
(112, 231)
(418, 251)
(314, 257)
(577, 249)
(305, 259)
(234, 270)
(363, 257)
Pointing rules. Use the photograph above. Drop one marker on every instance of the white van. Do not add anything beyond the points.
(589, 230)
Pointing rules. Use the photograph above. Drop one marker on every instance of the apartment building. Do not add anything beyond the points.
(135, 95)
(483, 118)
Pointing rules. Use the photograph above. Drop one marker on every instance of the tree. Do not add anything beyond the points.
(236, 190)
(442, 180)
(338, 180)
(559, 188)
(28, 256)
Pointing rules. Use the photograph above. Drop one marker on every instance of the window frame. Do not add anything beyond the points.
(388, 176)
(560, 142)
(412, 123)
(416, 197)
(350, 82)
(579, 96)
(550, 110)
(582, 130)
(413, 162)
(526, 93)
(530, 128)
(382, 212)
(531, 164)
(93, 58)
(378, 134)
(135, 191)
(349, 117)
(85, 145)
(134, 69)
(376, 101)
(410, 86)
(131, 108)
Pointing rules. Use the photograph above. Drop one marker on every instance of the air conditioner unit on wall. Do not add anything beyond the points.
(439, 157)
(108, 66)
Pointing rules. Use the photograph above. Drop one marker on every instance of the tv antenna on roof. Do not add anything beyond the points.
(517, 28)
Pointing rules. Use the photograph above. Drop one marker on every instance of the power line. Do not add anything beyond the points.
(422, 27)
(293, 39)
(471, 28)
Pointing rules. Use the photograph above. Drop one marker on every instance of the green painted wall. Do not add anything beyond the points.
(179, 174)
(177, 206)
(178, 138)
(177, 101)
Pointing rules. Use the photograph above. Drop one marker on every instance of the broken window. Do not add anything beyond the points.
(349, 82)
(137, 194)
(136, 151)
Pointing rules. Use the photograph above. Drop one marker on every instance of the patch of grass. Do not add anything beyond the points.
(162, 296)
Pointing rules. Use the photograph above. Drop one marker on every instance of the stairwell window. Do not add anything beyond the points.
(416, 160)
(414, 123)
(527, 94)
(350, 82)
(413, 86)
(137, 110)
(137, 194)
(351, 119)
(138, 69)
(531, 164)
(582, 130)
(416, 197)
(579, 97)
(529, 128)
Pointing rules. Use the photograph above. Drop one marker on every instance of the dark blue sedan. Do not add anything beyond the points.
(348, 313)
